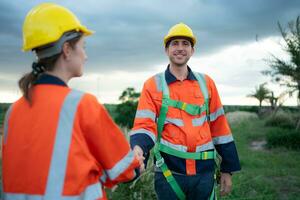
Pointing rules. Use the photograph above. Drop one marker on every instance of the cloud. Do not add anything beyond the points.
(129, 34)
(9, 22)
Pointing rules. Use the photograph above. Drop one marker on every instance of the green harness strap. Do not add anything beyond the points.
(192, 110)
(188, 155)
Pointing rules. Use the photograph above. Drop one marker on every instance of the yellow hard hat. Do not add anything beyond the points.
(180, 30)
(46, 23)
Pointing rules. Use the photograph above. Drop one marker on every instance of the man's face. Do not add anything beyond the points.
(179, 51)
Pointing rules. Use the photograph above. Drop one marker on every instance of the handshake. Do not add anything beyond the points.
(139, 154)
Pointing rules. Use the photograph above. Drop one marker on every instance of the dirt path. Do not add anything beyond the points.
(258, 145)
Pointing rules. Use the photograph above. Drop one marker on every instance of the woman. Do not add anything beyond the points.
(60, 143)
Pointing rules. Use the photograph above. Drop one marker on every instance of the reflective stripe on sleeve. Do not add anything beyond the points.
(213, 116)
(121, 166)
(145, 114)
(222, 139)
(143, 131)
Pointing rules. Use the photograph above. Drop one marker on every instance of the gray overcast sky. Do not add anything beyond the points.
(129, 34)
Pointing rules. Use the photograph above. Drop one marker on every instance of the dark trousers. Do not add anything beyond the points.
(195, 187)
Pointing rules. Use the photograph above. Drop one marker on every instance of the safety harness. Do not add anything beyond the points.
(159, 147)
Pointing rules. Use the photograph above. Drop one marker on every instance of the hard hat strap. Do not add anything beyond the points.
(56, 47)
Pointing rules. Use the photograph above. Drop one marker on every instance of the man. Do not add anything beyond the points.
(180, 114)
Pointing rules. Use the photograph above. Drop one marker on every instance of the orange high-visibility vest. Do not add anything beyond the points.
(182, 131)
(64, 146)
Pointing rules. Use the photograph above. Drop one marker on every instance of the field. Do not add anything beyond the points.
(267, 174)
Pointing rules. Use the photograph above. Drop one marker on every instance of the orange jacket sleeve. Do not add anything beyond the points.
(144, 131)
(220, 131)
(107, 143)
(218, 123)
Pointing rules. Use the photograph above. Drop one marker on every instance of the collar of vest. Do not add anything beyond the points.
(170, 78)
(49, 79)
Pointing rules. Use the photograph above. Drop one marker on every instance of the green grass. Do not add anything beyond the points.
(267, 174)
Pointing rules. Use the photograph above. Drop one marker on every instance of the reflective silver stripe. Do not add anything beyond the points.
(57, 171)
(91, 192)
(103, 177)
(13, 196)
(145, 114)
(223, 139)
(158, 82)
(143, 131)
(175, 121)
(7, 115)
(205, 147)
(177, 147)
(199, 121)
(183, 148)
(213, 116)
(121, 166)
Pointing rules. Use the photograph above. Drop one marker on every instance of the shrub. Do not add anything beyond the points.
(233, 108)
(126, 113)
(282, 120)
(240, 116)
(284, 138)
(143, 189)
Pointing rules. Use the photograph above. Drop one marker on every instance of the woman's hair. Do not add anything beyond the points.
(38, 68)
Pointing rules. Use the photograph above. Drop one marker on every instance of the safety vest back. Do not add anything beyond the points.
(60, 147)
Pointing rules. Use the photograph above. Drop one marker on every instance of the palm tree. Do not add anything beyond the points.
(261, 93)
(276, 101)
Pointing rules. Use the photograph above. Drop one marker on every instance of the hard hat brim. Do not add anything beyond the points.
(86, 31)
(83, 29)
(191, 39)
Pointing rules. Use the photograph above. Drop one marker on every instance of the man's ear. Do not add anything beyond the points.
(167, 50)
(193, 50)
(66, 50)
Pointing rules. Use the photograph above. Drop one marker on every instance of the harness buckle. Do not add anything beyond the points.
(180, 105)
(160, 162)
(183, 106)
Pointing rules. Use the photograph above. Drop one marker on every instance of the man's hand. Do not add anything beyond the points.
(226, 184)
(138, 152)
